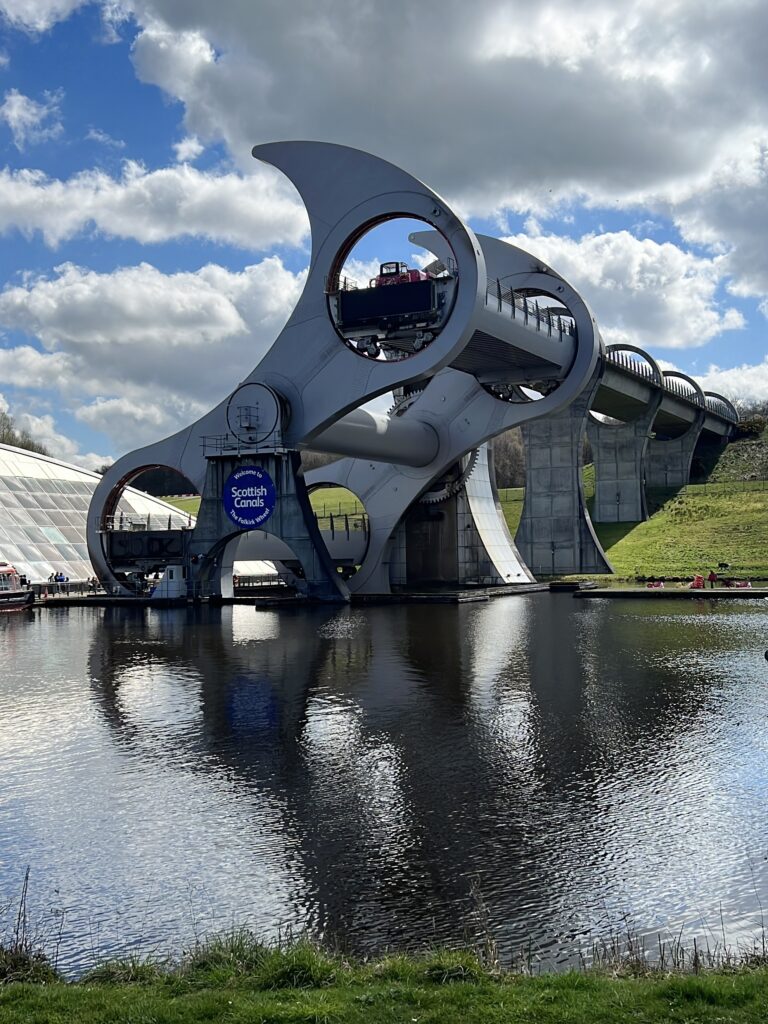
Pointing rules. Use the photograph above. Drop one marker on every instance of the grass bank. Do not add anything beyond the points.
(692, 531)
(237, 979)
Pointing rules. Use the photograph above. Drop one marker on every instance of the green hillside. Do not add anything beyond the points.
(724, 519)
(742, 460)
(188, 505)
(691, 531)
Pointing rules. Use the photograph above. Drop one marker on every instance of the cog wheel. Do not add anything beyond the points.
(404, 399)
(446, 488)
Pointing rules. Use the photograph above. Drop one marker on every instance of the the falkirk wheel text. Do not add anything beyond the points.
(484, 338)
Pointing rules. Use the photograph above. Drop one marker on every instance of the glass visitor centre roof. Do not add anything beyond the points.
(43, 509)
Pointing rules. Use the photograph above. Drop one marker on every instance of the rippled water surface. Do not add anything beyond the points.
(583, 765)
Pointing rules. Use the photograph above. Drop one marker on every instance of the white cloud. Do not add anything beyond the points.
(643, 292)
(739, 383)
(188, 150)
(154, 206)
(38, 15)
(97, 135)
(43, 430)
(137, 307)
(26, 367)
(31, 122)
(608, 104)
(144, 420)
(659, 109)
(138, 353)
(730, 215)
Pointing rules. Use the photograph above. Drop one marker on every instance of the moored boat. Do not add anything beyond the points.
(13, 594)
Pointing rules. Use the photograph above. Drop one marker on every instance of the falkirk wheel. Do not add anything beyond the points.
(485, 338)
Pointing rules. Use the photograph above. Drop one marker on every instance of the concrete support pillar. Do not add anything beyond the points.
(619, 454)
(556, 536)
(431, 545)
(293, 521)
(669, 460)
(398, 571)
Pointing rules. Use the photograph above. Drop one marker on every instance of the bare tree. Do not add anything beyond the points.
(18, 438)
(509, 459)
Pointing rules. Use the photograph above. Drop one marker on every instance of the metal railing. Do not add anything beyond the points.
(342, 523)
(720, 408)
(231, 444)
(128, 522)
(632, 365)
(274, 579)
(529, 311)
(678, 388)
(673, 385)
(50, 588)
(335, 283)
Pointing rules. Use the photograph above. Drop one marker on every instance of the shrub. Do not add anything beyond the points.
(127, 971)
(751, 427)
(33, 966)
(447, 965)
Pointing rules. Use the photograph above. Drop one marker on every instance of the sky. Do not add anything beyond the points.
(623, 142)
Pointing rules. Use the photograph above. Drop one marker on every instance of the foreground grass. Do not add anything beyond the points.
(238, 980)
(572, 998)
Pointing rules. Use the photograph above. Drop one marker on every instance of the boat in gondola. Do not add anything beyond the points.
(13, 593)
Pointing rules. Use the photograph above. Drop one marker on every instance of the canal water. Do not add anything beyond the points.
(550, 770)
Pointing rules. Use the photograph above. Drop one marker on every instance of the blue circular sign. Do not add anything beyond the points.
(249, 497)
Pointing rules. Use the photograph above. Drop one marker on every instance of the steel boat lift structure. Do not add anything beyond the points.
(484, 339)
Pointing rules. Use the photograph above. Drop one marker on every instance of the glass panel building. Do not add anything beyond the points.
(43, 510)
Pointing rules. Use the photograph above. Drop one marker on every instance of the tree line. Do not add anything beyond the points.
(18, 438)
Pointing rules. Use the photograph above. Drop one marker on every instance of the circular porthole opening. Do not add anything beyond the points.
(389, 296)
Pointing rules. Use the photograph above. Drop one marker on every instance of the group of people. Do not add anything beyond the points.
(713, 578)
(61, 582)
(699, 582)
